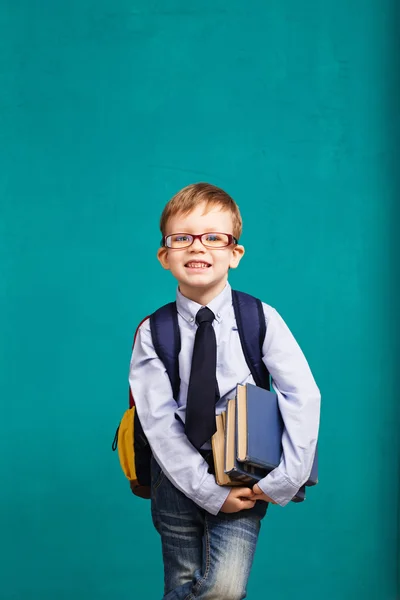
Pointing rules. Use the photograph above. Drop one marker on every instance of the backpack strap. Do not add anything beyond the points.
(167, 342)
(252, 328)
(131, 399)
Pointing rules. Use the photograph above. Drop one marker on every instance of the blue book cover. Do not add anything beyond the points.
(259, 429)
(246, 473)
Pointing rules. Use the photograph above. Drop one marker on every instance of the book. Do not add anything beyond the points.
(259, 430)
(247, 444)
(246, 474)
(218, 449)
(257, 411)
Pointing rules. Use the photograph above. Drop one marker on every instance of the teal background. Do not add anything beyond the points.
(107, 108)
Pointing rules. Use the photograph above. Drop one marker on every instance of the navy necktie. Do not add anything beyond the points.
(202, 392)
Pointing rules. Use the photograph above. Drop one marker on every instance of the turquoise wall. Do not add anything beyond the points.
(107, 108)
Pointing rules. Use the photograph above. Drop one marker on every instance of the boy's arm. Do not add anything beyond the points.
(156, 407)
(299, 402)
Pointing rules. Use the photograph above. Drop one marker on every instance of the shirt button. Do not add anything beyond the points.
(219, 315)
(191, 319)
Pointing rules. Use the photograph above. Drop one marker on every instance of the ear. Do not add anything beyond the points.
(162, 255)
(236, 257)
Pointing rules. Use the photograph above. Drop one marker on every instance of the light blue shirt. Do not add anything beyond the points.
(298, 397)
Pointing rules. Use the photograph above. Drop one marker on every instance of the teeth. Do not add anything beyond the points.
(197, 265)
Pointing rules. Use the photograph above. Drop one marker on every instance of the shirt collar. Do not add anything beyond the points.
(188, 309)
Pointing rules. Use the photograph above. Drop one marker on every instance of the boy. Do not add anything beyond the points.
(208, 532)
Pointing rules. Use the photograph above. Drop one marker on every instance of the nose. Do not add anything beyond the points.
(197, 246)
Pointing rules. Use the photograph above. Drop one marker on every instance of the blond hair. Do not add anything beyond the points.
(190, 196)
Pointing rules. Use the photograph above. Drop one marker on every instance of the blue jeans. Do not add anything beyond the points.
(205, 557)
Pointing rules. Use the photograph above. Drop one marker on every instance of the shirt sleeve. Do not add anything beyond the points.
(299, 402)
(156, 407)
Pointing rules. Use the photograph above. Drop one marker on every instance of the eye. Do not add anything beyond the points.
(212, 237)
(180, 238)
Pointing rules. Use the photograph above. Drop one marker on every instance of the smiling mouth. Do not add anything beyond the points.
(197, 265)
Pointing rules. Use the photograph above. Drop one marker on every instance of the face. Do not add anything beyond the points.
(201, 270)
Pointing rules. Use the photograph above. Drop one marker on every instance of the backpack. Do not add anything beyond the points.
(133, 448)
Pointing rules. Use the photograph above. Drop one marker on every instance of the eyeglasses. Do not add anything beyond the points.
(209, 240)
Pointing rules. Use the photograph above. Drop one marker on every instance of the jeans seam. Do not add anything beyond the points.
(192, 595)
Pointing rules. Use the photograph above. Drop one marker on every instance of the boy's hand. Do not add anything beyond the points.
(259, 494)
(239, 498)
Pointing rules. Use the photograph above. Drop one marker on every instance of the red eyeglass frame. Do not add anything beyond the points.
(231, 239)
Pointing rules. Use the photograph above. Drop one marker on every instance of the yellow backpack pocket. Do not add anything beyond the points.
(124, 442)
(134, 453)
